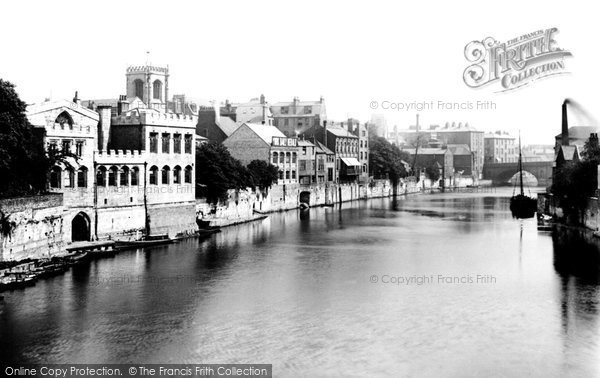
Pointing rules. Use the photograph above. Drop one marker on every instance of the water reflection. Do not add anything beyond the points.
(294, 290)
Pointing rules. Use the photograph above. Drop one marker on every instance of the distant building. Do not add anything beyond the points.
(378, 125)
(254, 111)
(295, 117)
(253, 141)
(462, 159)
(213, 126)
(500, 147)
(425, 157)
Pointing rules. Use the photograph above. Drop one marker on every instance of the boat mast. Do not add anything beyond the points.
(520, 166)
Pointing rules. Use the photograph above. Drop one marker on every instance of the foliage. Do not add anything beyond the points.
(217, 171)
(591, 150)
(263, 174)
(385, 160)
(7, 226)
(432, 171)
(23, 162)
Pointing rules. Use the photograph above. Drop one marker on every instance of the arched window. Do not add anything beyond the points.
(112, 176)
(294, 157)
(177, 175)
(55, 177)
(124, 176)
(70, 179)
(157, 89)
(139, 89)
(188, 175)
(275, 157)
(154, 175)
(101, 176)
(64, 118)
(282, 157)
(135, 174)
(82, 173)
(287, 157)
(165, 174)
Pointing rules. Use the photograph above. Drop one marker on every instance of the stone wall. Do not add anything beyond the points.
(550, 205)
(246, 205)
(38, 227)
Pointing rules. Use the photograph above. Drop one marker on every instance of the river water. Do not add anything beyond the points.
(444, 284)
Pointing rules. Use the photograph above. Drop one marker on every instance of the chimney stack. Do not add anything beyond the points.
(565, 125)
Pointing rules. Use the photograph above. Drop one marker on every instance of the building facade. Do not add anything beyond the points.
(500, 147)
(253, 141)
(295, 117)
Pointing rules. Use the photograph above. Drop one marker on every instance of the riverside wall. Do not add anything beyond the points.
(249, 204)
(35, 227)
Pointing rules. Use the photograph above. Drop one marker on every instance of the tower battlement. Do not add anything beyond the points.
(157, 119)
(147, 69)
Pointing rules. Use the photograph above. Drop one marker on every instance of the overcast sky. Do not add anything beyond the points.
(352, 53)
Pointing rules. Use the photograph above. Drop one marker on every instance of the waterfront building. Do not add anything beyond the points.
(462, 159)
(295, 117)
(500, 147)
(132, 170)
(345, 145)
(252, 141)
(307, 158)
(425, 157)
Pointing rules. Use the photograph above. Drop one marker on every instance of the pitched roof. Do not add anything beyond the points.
(338, 131)
(265, 132)
(305, 143)
(569, 152)
(323, 148)
(36, 112)
(459, 149)
(580, 132)
(227, 125)
(426, 151)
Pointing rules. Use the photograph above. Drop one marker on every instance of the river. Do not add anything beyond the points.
(444, 284)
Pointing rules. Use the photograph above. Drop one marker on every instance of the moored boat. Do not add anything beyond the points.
(522, 206)
(147, 241)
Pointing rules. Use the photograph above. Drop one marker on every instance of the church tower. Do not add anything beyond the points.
(150, 84)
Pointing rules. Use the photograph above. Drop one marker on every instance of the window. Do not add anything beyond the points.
(66, 146)
(135, 174)
(364, 133)
(287, 175)
(177, 143)
(101, 176)
(112, 176)
(281, 175)
(282, 157)
(79, 148)
(303, 150)
(307, 109)
(166, 141)
(188, 175)
(52, 146)
(165, 175)
(64, 118)
(70, 178)
(154, 142)
(302, 165)
(287, 157)
(124, 176)
(154, 175)
(55, 176)
(275, 157)
(177, 175)
(294, 157)
(139, 89)
(321, 164)
(157, 89)
(188, 144)
(293, 175)
(364, 168)
(82, 177)
(285, 110)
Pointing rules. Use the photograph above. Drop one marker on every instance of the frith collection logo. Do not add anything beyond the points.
(515, 63)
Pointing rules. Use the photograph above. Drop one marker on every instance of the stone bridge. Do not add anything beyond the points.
(500, 173)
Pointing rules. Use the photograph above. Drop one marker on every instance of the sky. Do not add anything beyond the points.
(351, 53)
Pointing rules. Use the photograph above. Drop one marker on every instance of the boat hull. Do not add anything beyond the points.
(523, 207)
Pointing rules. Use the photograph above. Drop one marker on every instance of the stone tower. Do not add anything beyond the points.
(150, 84)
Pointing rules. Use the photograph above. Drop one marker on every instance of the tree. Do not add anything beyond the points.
(263, 174)
(386, 161)
(432, 171)
(23, 161)
(217, 171)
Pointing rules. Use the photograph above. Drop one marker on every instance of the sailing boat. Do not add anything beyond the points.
(522, 206)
